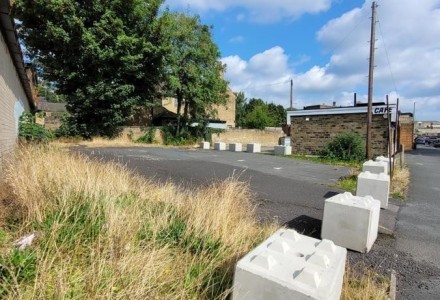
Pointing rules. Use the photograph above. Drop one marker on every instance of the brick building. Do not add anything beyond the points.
(406, 131)
(312, 129)
(16, 89)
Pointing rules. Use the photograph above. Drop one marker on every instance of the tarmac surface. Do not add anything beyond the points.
(293, 193)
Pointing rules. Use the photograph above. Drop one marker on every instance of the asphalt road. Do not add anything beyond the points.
(418, 226)
(293, 192)
(290, 191)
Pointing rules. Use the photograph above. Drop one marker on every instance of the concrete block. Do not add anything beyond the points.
(289, 265)
(236, 147)
(282, 150)
(385, 160)
(376, 167)
(205, 145)
(220, 146)
(253, 148)
(351, 221)
(374, 185)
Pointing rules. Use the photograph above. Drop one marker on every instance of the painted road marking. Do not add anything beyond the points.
(241, 160)
(277, 168)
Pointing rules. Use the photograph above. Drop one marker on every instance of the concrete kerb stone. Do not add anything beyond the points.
(219, 146)
(351, 221)
(282, 150)
(376, 167)
(253, 148)
(236, 147)
(289, 265)
(205, 145)
(374, 185)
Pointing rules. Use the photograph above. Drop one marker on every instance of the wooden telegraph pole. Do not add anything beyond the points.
(370, 79)
(291, 94)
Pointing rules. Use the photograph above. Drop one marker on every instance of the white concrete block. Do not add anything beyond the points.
(351, 221)
(220, 146)
(282, 150)
(376, 167)
(385, 160)
(289, 265)
(374, 185)
(253, 148)
(236, 147)
(205, 145)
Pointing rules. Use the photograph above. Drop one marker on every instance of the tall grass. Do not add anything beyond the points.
(107, 233)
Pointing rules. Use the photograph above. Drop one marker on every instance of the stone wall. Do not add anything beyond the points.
(268, 137)
(310, 134)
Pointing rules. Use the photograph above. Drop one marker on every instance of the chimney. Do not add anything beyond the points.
(354, 100)
(334, 103)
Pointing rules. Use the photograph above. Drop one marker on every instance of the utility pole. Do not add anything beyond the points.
(370, 79)
(291, 94)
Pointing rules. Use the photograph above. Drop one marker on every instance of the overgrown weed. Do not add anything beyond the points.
(107, 233)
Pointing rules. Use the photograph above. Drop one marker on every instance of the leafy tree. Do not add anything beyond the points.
(240, 109)
(104, 55)
(277, 114)
(258, 118)
(193, 74)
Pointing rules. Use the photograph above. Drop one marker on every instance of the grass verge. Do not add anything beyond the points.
(399, 184)
(104, 232)
(323, 160)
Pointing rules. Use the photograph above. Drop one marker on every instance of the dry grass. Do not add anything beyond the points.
(362, 283)
(400, 182)
(106, 233)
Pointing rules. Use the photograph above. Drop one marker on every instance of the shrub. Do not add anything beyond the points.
(147, 137)
(345, 147)
(29, 130)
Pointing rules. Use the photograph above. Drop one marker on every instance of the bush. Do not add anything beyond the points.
(345, 147)
(147, 137)
(68, 127)
(29, 130)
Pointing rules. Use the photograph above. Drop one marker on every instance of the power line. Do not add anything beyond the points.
(388, 58)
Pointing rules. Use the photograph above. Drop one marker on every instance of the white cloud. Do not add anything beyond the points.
(407, 61)
(259, 10)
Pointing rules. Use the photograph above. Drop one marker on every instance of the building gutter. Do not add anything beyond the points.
(7, 27)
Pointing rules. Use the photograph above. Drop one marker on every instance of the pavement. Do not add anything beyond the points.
(418, 226)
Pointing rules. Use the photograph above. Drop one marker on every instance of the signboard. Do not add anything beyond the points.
(383, 110)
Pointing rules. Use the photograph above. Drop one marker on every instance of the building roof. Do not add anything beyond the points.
(7, 26)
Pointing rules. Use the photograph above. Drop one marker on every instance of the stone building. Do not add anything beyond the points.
(312, 129)
(224, 113)
(16, 89)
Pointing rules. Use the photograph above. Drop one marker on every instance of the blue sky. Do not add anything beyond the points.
(322, 45)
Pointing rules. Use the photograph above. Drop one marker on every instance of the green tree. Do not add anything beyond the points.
(277, 114)
(240, 109)
(193, 73)
(103, 55)
(258, 118)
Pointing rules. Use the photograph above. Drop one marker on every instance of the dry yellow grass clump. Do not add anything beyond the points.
(107, 233)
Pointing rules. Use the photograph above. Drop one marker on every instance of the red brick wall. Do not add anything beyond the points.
(406, 136)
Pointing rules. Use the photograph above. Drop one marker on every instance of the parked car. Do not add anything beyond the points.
(420, 141)
(436, 143)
